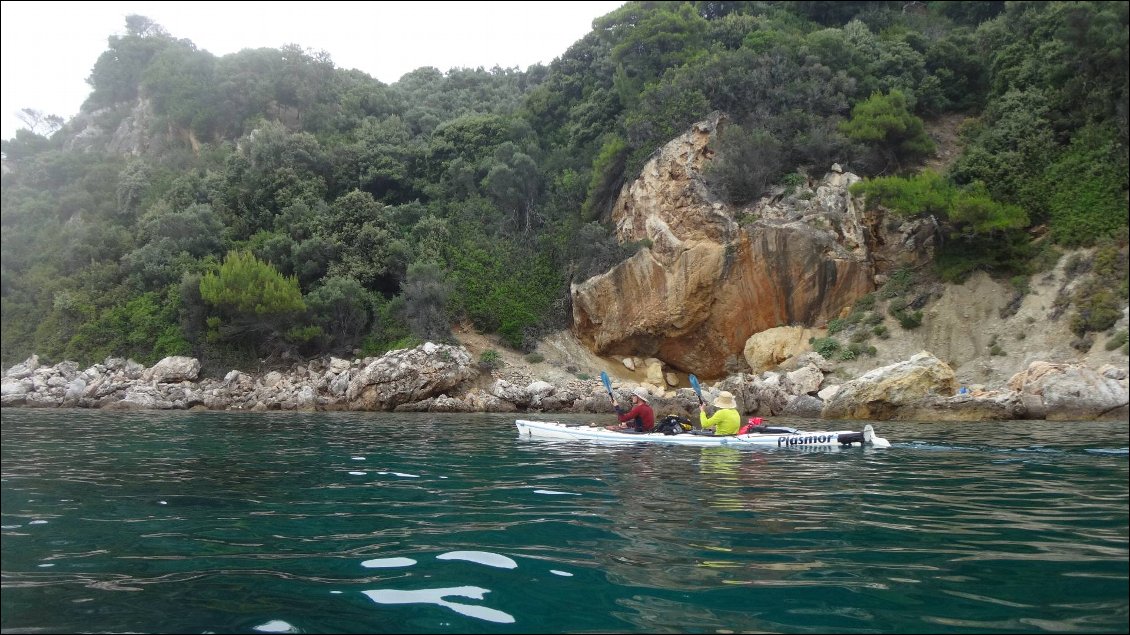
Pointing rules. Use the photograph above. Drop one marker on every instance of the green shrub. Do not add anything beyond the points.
(375, 346)
(983, 233)
(1112, 268)
(1045, 256)
(910, 321)
(899, 282)
(1076, 265)
(975, 212)
(1117, 340)
(490, 359)
(250, 288)
(304, 334)
(1000, 253)
(887, 123)
(906, 319)
(826, 346)
(535, 358)
(746, 160)
(342, 308)
(923, 194)
(835, 326)
(504, 288)
(1096, 312)
(1022, 284)
(426, 292)
(1087, 186)
(389, 330)
(607, 172)
(865, 303)
(793, 179)
(143, 329)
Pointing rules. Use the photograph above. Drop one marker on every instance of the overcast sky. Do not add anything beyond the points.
(49, 48)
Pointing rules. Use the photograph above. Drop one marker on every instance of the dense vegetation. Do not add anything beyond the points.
(267, 204)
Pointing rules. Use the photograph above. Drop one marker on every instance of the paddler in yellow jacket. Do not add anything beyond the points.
(725, 420)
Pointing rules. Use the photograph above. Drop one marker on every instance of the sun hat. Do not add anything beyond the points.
(639, 392)
(725, 400)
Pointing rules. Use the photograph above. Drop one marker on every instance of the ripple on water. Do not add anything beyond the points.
(276, 626)
(481, 557)
(388, 563)
(439, 598)
(1111, 451)
(291, 521)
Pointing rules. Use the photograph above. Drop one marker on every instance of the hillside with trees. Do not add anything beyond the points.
(267, 204)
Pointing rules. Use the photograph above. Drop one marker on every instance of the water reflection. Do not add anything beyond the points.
(388, 563)
(276, 626)
(482, 557)
(722, 467)
(230, 521)
(439, 598)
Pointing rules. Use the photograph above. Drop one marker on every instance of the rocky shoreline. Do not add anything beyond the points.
(444, 378)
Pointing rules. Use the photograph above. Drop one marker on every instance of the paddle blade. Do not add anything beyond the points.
(607, 386)
(697, 388)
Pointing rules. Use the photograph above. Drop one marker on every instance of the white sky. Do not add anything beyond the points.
(49, 48)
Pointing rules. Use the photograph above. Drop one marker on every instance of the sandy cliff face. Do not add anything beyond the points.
(968, 327)
(709, 282)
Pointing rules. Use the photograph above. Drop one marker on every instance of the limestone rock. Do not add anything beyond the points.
(409, 375)
(774, 346)
(172, 369)
(708, 283)
(1072, 391)
(892, 392)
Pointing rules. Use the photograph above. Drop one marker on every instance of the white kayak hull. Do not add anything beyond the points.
(798, 439)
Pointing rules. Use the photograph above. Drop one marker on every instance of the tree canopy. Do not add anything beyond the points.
(358, 215)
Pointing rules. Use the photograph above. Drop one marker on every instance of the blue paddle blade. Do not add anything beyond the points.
(607, 386)
(697, 388)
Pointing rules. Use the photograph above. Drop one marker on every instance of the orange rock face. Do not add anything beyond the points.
(708, 283)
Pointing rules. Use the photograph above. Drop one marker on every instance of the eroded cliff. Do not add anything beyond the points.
(715, 274)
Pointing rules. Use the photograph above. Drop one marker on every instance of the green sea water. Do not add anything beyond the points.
(212, 522)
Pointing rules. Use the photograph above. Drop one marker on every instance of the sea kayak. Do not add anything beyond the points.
(768, 437)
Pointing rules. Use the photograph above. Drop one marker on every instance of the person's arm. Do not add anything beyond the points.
(629, 415)
(618, 408)
(704, 421)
